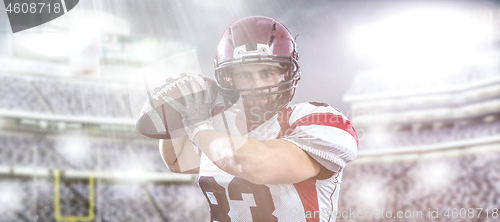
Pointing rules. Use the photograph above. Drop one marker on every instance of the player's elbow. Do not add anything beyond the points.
(174, 168)
(172, 164)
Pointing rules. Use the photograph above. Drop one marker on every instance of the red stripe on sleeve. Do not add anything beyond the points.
(309, 198)
(327, 119)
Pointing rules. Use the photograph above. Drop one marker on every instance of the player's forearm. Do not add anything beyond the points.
(179, 156)
(260, 162)
(237, 155)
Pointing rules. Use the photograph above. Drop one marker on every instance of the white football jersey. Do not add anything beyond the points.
(320, 130)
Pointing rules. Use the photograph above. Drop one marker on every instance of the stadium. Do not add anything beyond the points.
(429, 132)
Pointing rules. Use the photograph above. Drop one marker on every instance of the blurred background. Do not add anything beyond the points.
(419, 80)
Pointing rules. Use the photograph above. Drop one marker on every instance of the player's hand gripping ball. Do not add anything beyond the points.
(159, 118)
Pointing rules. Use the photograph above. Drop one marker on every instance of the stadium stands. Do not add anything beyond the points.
(188, 203)
(371, 83)
(18, 94)
(72, 97)
(71, 153)
(407, 138)
(64, 97)
(469, 180)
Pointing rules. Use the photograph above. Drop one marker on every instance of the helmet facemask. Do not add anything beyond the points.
(277, 96)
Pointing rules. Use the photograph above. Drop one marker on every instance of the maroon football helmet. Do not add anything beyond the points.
(257, 39)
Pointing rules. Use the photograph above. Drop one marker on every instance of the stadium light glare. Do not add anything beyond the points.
(55, 44)
(130, 170)
(70, 33)
(74, 149)
(436, 175)
(131, 166)
(11, 197)
(371, 193)
(43, 124)
(424, 41)
(87, 26)
(378, 137)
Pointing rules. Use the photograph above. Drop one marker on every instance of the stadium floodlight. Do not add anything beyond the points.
(425, 41)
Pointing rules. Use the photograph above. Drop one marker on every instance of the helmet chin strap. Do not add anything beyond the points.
(229, 96)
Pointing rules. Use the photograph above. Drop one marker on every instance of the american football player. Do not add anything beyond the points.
(286, 162)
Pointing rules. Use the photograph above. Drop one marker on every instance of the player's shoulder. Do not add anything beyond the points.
(313, 109)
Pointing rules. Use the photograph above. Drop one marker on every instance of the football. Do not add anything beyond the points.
(158, 119)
